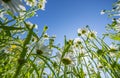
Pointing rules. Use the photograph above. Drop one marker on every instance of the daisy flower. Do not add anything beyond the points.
(31, 24)
(67, 59)
(100, 66)
(42, 49)
(113, 50)
(31, 2)
(92, 34)
(102, 12)
(113, 47)
(46, 36)
(12, 5)
(41, 4)
(77, 41)
(82, 32)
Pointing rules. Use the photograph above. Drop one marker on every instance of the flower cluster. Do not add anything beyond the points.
(26, 54)
(85, 32)
(13, 5)
(18, 6)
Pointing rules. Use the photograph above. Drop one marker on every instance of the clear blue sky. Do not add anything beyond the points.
(64, 17)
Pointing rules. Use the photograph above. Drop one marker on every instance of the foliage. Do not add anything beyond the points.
(26, 54)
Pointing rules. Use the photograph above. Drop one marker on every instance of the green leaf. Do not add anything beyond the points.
(115, 36)
(114, 23)
(8, 33)
(10, 28)
(35, 67)
(98, 75)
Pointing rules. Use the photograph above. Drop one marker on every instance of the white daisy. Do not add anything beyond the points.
(67, 59)
(41, 4)
(30, 25)
(113, 50)
(82, 31)
(13, 5)
(42, 49)
(31, 2)
(77, 41)
(36, 26)
(92, 34)
(114, 47)
(112, 54)
(102, 12)
(100, 66)
(46, 36)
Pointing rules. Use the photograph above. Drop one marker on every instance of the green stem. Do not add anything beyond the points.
(47, 63)
(86, 67)
(65, 71)
(42, 70)
(23, 53)
(96, 56)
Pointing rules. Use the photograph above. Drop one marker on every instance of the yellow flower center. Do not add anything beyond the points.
(45, 36)
(100, 66)
(40, 5)
(83, 31)
(92, 35)
(66, 61)
(39, 52)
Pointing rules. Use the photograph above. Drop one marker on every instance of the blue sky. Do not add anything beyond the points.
(64, 17)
